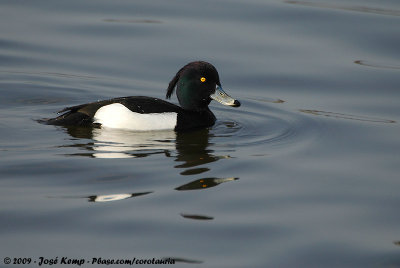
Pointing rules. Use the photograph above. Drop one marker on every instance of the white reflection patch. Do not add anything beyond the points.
(119, 143)
(111, 197)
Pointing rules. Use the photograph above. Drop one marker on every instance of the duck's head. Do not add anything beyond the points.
(197, 83)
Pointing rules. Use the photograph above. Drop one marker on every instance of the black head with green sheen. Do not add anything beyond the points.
(197, 83)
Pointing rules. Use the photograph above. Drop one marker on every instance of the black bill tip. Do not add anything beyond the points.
(236, 103)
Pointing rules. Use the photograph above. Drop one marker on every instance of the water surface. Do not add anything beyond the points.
(304, 173)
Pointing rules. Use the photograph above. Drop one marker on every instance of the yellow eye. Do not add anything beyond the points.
(203, 79)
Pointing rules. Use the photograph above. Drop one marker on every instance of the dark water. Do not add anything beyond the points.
(304, 174)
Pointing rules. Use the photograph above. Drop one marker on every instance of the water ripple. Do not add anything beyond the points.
(349, 116)
(264, 125)
(132, 21)
(364, 9)
(377, 65)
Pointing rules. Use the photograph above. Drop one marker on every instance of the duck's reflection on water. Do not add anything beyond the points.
(197, 217)
(118, 143)
(192, 151)
(199, 184)
(189, 149)
(203, 183)
(113, 197)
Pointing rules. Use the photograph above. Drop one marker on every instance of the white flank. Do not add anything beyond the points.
(117, 115)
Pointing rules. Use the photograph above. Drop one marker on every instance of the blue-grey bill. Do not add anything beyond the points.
(223, 98)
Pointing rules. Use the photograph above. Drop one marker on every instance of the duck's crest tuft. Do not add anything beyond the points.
(172, 85)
